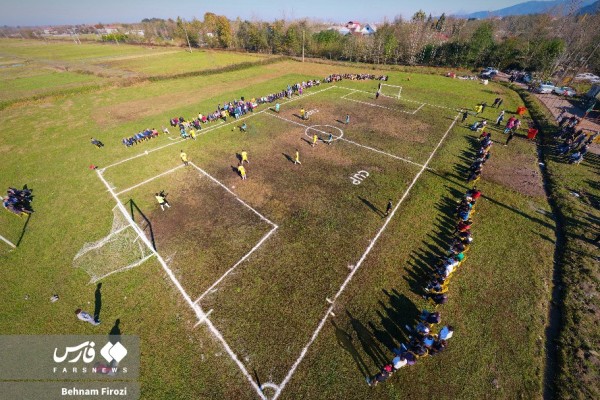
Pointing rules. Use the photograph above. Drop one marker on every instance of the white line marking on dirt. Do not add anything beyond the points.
(357, 266)
(403, 98)
(381, 152)
(151, 179)
(8, 242)
(235, 195)
(375, 105)
(270, 385)
(346, 140)
(200, 314)
(212, 289)
(202, 320)
(421, 106)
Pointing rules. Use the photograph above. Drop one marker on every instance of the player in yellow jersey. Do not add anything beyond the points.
(244, 155)
(183, 157)
(297, 158)
(242, 171)
(314, 141)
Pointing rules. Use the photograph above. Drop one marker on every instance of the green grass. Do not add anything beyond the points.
(578, 364)
(268, 309)
(182, 61)
(68, 51)
(29, 86)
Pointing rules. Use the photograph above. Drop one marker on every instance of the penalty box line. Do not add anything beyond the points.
(380, 106)
(357, 266)
(200, 314)
(150, 180)
(210, 129)
(245, 257)
(403, 98)
(348, 141)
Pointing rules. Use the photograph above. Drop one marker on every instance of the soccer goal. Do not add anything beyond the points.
(120, 250)
(393, 91)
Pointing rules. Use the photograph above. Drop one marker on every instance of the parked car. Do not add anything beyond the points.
(490, 70)
(488, 73)
(565, 91)
(544, 88)
(586, 76)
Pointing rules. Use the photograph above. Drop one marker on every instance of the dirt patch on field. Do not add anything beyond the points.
(521, 175)
(136, 109)
(366, 119)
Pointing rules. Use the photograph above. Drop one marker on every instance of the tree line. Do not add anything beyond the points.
(546, 44)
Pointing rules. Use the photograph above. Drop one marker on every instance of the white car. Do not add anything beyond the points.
(545, 88)
(586, 76)
(565, 91)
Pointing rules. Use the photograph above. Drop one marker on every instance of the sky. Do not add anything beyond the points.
(59, 12)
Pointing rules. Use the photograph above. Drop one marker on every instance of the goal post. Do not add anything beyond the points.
(142, 221)
(393, 91)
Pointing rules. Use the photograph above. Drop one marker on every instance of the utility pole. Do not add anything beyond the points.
(302, 45)
(186, 36)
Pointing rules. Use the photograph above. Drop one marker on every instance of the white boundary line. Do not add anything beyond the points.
(377, 105)
(151, 179)
(245, 257)
(200, 314)
(213, 127)
(357, 266)
(348, 141)
(207, 291)
(403, 98)
(421, 106)
(268, 221)
(8, 242)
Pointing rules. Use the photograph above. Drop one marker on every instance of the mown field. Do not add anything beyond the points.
(268, 309)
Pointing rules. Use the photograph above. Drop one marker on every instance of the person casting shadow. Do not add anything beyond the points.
(98, 303)
(344, 339)
(115, 333)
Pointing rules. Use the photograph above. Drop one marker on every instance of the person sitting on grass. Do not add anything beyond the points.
(97, 143)
(399, 361)
(438, 347)
(437, 299)
(463, 226)
(446, 333)
(430, 317)
(381, 376)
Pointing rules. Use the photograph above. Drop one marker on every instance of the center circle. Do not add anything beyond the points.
(324, 132)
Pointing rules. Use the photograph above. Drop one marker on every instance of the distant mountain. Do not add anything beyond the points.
(593, 8)
(531, 7)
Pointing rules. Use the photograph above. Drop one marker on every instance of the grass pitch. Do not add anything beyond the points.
(269, 307)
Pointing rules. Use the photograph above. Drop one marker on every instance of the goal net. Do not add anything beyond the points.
(120, 250)
(392, 91)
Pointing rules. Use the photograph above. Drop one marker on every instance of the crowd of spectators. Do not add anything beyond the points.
(354, 77)
(139, 137)
(18, 201)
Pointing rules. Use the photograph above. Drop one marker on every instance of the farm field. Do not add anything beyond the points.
(306, 283)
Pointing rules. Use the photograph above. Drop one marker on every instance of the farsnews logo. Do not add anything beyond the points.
(83, 354)
(113, 352)
(86, 349)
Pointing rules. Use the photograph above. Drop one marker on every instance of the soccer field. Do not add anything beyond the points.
(292, 283)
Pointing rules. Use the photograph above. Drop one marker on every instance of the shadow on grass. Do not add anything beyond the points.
(344, 339)
(289, 158)
(23, 230)
(367, 340)
(372, 207)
